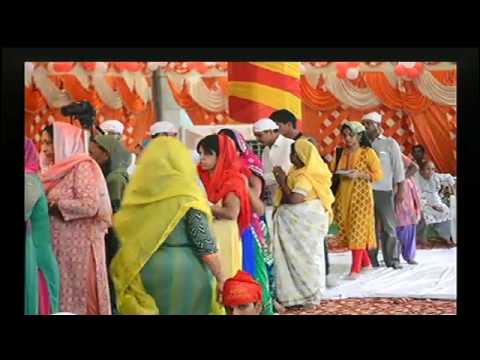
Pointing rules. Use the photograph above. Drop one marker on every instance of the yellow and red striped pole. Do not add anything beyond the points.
(256, 89)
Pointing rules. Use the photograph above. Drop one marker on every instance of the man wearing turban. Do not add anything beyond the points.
(242, 295)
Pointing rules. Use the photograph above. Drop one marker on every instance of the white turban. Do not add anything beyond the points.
(265, 125)
(163, 127)
(373, 116)
(112, 126)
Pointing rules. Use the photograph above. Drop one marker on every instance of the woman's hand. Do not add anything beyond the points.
(215, 209)
(280, 175)
(355, 174)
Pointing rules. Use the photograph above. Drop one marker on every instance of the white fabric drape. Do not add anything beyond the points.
(81, 75)
(312, 75)
(109, 97)
(349, 94)
(54, 96)
(435, 90)
(176, 79)
(141, 87)
(212, 100)
(129, 79)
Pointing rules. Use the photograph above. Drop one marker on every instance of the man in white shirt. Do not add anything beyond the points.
(276, 152)
(390, 157)
(287, 123)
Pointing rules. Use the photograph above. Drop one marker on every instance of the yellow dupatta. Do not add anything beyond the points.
(317, 173)
(158, 196)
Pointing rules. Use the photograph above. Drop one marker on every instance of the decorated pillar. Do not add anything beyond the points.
(256, 89)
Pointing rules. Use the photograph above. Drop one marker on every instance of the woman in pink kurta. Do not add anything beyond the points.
(80, 214)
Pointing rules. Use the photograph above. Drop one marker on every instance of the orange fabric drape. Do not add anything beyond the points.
(197, 114)
(446, 77)
(317, 99)
(433, 130)
(135, 114)
(75, 89)
(140, 123)
(381, 88)
(413, 100)
(34, 101)
(410, 101)
(130, 99)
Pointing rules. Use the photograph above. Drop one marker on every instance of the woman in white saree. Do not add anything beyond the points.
(303, 213)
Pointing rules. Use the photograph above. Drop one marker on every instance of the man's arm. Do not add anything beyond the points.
(398, 171)
(397, 163)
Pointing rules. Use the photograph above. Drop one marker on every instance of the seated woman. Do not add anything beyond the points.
(435, 213)
(42, 277)
(227, 192)
(114, 159)
(303, 213)
(167, 254)
(80, 215)
(354, 206)
(261, 255)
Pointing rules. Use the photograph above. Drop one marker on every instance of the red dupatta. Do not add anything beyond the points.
(227, 178)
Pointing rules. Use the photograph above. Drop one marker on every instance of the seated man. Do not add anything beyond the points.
(435, 213)
(242, 295)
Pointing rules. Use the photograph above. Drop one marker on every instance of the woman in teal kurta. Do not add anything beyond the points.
(42, 277)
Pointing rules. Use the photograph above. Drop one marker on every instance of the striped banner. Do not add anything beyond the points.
(256, 89)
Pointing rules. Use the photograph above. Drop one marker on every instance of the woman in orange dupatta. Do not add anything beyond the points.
(80, 215)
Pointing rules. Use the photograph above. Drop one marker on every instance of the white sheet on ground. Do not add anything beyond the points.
(434, 277)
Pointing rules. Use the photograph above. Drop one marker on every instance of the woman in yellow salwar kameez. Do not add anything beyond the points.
(167, 253)
(358, 167)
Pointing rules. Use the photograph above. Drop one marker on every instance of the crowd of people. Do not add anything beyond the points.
(168, 230)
